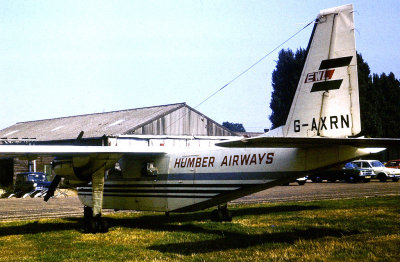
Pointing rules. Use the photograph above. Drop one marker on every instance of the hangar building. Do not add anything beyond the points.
(169, 120)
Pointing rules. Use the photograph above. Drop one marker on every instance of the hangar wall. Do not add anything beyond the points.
(184, 121)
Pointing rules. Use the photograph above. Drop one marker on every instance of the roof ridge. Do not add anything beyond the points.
(116, 111)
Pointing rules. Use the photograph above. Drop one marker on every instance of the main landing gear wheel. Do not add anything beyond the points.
(95, 224)
(221, 214)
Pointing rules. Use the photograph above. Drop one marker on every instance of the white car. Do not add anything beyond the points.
(301, 181)
(382, 173)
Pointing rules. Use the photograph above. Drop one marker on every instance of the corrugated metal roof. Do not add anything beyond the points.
(94, 125)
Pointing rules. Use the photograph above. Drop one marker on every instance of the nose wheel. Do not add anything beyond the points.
(221, 214)
(94, 224)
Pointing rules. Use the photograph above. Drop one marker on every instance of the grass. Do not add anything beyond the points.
(333, 230)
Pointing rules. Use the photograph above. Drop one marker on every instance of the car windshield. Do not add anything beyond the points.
(36, 177)
(377, 164)
(31, 178)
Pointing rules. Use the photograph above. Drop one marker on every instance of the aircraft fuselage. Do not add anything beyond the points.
(190, 179)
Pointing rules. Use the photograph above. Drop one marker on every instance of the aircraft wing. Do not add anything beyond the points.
(308, 142)
(32, 151)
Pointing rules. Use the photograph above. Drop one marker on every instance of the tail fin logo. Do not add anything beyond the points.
(319, 76)
(326, 73)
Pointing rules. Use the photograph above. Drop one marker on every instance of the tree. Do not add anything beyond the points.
(379, 102)
(235, 127)
(388, 103)
(371, 124)
(285, 78)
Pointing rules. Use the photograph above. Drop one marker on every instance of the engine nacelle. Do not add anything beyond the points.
(78, 170)
(64, 167)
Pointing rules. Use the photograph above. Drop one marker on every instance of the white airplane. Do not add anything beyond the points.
(186, 174)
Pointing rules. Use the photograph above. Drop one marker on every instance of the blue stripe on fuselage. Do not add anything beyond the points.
(229, 176)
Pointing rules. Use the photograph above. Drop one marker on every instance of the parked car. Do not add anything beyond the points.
(30, 183)
(362, 174)
(393, 164)
(301, 181)
(382, 173)
(350, 173)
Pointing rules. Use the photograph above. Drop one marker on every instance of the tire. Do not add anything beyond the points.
(220, 215)
(316, 179)
(96, 225)
(87, 212)
(227, 216)
(395, 179)
(301, 183)
(366, 180)
(103, 226)
(382, 177)
(216, 215)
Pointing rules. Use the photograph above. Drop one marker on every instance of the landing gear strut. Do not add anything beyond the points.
(94, 223)
(221, 214)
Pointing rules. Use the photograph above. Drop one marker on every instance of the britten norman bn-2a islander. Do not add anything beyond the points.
(184, 174)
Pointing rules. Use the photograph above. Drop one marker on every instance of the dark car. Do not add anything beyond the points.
(364, 174)
(350, 173)
(30, 182)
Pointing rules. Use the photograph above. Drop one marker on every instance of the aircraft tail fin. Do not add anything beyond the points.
(326, 102)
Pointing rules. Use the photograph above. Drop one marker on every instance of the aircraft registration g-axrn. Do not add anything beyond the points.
(188, 174)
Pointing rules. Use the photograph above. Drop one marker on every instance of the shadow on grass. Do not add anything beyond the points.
(36, 227)
(225, 236)
(230, 240)
(159, 221)
(154, 221)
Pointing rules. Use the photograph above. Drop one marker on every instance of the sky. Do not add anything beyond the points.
(64, 58)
